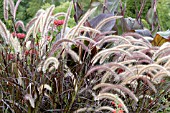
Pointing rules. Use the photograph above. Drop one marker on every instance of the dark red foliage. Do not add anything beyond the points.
(10, 56)
(119, 70)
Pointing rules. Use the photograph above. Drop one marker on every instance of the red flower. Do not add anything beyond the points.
(58, 22)
(113, 103)
(162, 81)
(26, 52)
(21, 35)
(10, 56)
(37, 44)
(151, 101)
(114, 111)
(14, 34)
(120, 111)
(119, 105)
(32, 51)
(48, 38)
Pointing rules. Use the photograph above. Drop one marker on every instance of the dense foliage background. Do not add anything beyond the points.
(84, 56)
(27, 9)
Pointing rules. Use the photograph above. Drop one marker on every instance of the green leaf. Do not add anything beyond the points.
(150, 16)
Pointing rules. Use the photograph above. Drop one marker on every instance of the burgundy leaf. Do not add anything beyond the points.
(144, 32)
(78, 11)
(107, 27)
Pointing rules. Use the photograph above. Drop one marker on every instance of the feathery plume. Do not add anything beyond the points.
(83, 46)
(48, 61)
(37, 25)
(153, 67)
(87, 14)
(163, 60)
(16, 7)
(66, 19)
(113, 37)
(167, 63)
(56, 44)
(20, 23)
(139, 55)
(4, 32)
(145, 79)
(44, 86)
(161, 52)
(89, 109)
(158, 77)
(31, 100)
(59, 14)
(113, 86)
(74, 55)
(39, 12)
(5, 6)
(136, 36)
(30, 23)
(11, 4)
(140, 43)
(46, 18)
(85, 38)
(109, 51)
(15, 44)
(106, 89)
(112, 97)
(96, 68)
(104, 108)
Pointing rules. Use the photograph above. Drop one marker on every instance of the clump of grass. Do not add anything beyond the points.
(80, 73)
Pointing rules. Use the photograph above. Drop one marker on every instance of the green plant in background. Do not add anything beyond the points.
(145, 24)
(133, 9)
(163, 11)
(28, 9)
(1, 10)
(164, 14)
(32, 9)
(134, 5)
(85, 5)
(109, 73)
(62, 8)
